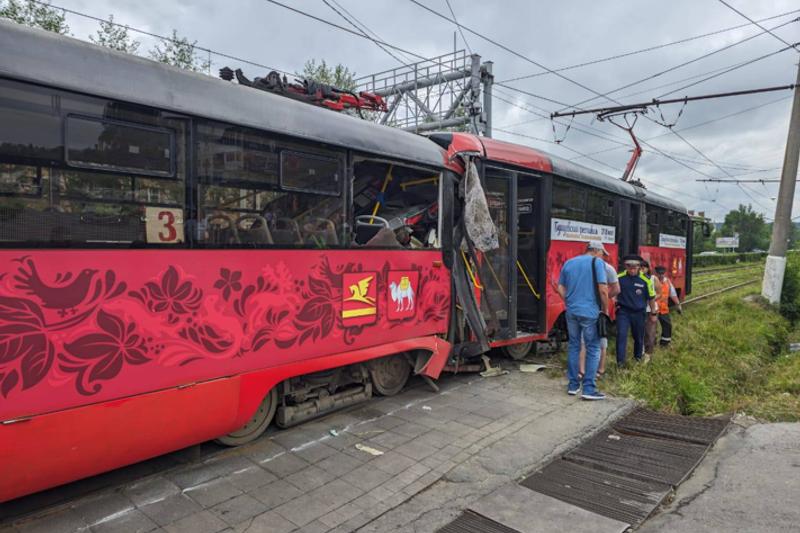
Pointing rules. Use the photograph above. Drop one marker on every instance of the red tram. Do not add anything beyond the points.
(184, 259)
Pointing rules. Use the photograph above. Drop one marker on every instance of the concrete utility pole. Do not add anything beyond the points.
(782, 227)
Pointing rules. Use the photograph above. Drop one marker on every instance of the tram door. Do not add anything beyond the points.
(630, 229)
(531, 252)
(498, 296)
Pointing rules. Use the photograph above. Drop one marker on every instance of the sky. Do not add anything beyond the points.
(748, 145)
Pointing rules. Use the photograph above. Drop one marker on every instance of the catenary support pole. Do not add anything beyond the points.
(782, 227)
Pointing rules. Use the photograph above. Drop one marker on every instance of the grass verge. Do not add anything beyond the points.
(729, 353)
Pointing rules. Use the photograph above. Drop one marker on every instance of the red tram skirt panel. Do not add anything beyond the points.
(111, 357)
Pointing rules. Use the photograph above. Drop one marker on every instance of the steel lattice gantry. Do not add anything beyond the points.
(449, 91)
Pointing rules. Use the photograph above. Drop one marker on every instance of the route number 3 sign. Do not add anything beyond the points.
(164, 225)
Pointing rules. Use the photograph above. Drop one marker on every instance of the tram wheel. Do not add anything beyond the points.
(389, 374)
(254, 427)
(518, 352)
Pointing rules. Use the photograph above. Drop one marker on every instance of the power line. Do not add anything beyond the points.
(319, 19)
(762, 181)
(683, 193)
(657, 102)
(678, 66)
(648, 49)
(506, 48)
(726, 4)
(731, 69)
(525, 58)
(458, 26)
(408, 58)
(364, 33)
(162, 37)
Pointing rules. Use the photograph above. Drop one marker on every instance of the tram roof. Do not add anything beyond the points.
(539, 161)
(66, 63)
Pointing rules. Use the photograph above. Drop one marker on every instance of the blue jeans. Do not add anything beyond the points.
(586, 328)
(633, 320)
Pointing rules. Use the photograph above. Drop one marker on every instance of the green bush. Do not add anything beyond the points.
(790, 293)
(726, 259)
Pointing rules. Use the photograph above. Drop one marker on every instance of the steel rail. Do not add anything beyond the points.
(719, 291)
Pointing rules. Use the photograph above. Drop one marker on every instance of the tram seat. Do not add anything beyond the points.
(221, 230)
(286, 231)
(320, 232)
(253, 230)
(368, 227)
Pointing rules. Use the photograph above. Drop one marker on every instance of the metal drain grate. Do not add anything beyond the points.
(664, 460)
(689, 429)
(615, 496)
(472, 522)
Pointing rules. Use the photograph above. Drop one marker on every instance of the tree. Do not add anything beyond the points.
(339, 76)
(115, 37)
(751, 227)
(179, 52)
(35, 15)
(701, 243)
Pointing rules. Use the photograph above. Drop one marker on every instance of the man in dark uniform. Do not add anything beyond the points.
(633, 302)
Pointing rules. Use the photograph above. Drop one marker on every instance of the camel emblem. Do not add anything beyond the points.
(402, 294)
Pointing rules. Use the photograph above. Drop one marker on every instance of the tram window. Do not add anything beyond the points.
(676, 224)
(30, 126)
(306, 172)
(600, 208)
(655, 218)
(404, 201)
(97, 143)
(569, 201)
(235, 155)
(116, 198)
(256, 191)
(77, 208)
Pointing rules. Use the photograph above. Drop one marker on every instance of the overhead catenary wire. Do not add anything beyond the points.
(755, 23)
(450, 7)
(517, 54)
(676, 67)
(162, 37)
(726, 71)
(324, 21)
(657, 102)
(648, 49)
(364, 33)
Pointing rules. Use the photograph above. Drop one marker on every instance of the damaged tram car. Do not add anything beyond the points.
(184, 258)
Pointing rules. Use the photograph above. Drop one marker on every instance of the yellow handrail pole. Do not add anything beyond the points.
(405, 184)
(386, 181)
(494, 275)
(528, 281)
(469, 271)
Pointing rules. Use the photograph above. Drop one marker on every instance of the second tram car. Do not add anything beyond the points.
(185, 259)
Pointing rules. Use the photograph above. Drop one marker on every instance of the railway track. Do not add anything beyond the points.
(726, 269)
(720, 291)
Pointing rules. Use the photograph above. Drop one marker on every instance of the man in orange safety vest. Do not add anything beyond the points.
(663, 298)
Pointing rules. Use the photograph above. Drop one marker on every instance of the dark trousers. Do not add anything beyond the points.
(633, 320)
(666, 329)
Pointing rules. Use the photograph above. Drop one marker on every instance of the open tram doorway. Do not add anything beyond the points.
(531, 254)
(511, 276)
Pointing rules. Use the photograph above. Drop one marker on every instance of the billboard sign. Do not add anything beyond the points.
(728, 242)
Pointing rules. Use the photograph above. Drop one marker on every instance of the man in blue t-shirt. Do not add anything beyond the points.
(577, 287)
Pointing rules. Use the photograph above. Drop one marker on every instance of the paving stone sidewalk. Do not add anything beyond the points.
(407, 463)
